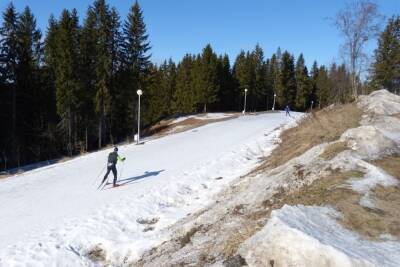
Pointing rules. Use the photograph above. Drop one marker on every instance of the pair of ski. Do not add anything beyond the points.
(104, 183)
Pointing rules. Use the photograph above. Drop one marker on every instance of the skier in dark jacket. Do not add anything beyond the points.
(287, 109)
(113, 157)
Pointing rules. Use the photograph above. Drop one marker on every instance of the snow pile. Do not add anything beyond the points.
(369, 142)
(380, 102)
(309, 236)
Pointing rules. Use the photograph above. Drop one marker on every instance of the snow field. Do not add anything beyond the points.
(54, 216)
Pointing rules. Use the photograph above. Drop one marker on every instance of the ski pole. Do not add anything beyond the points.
(97, 177)
(122, 169)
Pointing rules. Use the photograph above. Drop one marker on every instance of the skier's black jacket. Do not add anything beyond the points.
(113, 157)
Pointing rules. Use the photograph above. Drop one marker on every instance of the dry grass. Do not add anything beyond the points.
(332, 191)
(96, 254)
(322, 126)
(166, 127)
(237, 236)
(391, 165)
(333, 149)
(187, 237)
(397, 115)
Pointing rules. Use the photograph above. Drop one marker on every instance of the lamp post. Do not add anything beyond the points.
(273, 106)
(312, 103)
(245, 94)
(139, 92)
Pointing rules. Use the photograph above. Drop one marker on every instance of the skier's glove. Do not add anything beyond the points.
(123, 159)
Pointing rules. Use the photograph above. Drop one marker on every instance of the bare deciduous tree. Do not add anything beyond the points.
(359, 22)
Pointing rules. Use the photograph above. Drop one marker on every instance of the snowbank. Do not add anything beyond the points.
(310, 236)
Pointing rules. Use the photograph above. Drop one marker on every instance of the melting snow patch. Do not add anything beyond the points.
(310, 236)
(374, 176)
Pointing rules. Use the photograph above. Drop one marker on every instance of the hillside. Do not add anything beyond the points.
(327, 196)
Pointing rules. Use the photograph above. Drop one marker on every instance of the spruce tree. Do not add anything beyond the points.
(227, 91)
(67, 81)
(303, 84)
(207, 86)
(184, 96)
(135, 57)
(273, 78)
(323, 87)
(8, 68)
(244, 74)
(286, 91)
(28, 81)
(314, 77)
(386, 68)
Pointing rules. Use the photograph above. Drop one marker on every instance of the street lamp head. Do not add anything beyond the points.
(245, 90)
(139, 92)
(274, 95)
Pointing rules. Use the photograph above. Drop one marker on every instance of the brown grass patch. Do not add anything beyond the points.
(187, 237)
(166, 127)
(96, 254)
(320, 127)
(237, 237)
(390, 164)
(333, 149)
(332, 191)
(397, 115)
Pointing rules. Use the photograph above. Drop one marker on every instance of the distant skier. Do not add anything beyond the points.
(287, 109)
(113, 157)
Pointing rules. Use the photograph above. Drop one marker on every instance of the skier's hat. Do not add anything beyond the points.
(115, 149)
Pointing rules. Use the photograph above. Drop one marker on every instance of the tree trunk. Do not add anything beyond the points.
(100, 126)
(14, 123)
(86, 138)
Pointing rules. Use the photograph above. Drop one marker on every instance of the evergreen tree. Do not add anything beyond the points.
(303, 84)
(8, 69)
(28, 81)
(184, 96)
(386, 68)
(322, 87)
(259, 93)
(227, 91)
(286, 91)
(207, 83)
(244, 74)
(340, 82)
(273, 74)
(67, 81)
(135, 57)
(314, 77)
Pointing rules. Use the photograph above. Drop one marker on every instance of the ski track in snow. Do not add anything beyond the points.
(53, 216)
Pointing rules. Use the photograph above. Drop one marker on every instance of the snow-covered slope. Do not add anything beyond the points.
(55, 216)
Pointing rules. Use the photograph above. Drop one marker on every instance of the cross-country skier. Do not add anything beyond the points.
(113, 157)
(287, 109)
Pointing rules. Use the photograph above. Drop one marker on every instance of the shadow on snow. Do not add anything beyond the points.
(135, 178)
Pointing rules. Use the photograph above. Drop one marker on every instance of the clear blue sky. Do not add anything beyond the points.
(177, 27)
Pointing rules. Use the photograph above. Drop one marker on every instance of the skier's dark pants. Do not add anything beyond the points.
(112, 168)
